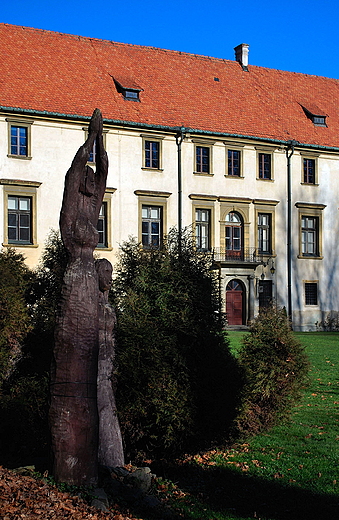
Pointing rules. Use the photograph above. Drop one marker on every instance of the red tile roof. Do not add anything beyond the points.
(45, 71)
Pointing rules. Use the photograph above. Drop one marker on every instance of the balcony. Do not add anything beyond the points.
(245, 255)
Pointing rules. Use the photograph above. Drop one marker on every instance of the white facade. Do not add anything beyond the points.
(132, 185)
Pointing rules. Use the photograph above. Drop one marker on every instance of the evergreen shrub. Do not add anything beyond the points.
(275, 369)
(14, 315)
(176, 376)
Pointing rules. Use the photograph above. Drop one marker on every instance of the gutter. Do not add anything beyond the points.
(172, 129)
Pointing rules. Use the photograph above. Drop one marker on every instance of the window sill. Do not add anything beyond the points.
(152, 169)
(309, 184)
(104, 248)
(234, 176)
(265, 180)
(25, 157)
(203, 174)
(18, 244)
(309, 257)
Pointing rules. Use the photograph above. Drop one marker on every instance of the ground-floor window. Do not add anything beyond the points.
(311, 293)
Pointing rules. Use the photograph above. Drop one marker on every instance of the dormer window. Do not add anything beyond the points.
(315, 114)
(128, 88)
(319, 120)
(131, 94)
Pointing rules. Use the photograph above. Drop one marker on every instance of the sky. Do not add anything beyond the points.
(299, 35)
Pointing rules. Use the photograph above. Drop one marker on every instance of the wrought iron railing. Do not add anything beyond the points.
(245, 254)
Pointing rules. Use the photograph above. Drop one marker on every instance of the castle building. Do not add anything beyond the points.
(248, 156)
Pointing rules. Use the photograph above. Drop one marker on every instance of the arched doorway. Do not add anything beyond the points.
(234, 235)
(235, 299)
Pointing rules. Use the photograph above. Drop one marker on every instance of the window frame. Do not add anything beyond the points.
(107, 200)
(238, 151)
(270, 155)
(209, 147)
(152, 198)
(313, 283)
(201, 224)
(315, 211)
(309, 157)
(20, 123)
(260, 231)
(312, 230)
(265, 206)
(152, 139)
(12, 188)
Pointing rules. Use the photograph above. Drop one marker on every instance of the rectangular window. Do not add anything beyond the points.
(19, 140)
(152, 154)
(309, 236)
(309, 171)
(202, 156)
(151, 226)
(311, 293)
(102, 226)
(265, 165)
(233, 162)
(202, 229)
(19, 220)
(264, 233)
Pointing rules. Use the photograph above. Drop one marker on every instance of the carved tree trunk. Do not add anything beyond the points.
(110, 441)
(73, 410)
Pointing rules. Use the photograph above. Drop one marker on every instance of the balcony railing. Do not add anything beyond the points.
(245, 254)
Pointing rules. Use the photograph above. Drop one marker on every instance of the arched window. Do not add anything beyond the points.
(234, 234)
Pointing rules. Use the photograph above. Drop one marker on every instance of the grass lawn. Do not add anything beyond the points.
(290, 473)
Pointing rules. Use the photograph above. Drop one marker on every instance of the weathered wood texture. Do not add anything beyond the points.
(110, 451)
(73, 410)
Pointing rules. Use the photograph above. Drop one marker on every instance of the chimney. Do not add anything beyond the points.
(241, 55)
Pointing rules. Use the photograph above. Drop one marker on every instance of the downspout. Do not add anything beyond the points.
(179, 139)
(289, 153)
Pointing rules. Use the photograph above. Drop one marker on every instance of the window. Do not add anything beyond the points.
(309, 170)
(233, 234)
(152, 154)
(233, 162)
(202, 229)
(19, 212)
(202, 159)
(19, 219)
(311, 293)
(102, 226)
(151, 226)
(309, 236)
(265, 166)
(19, 138)
(133, 95)
(319, 120)
(264, 233)
(310, 229)
(309, 165)
(19, 141)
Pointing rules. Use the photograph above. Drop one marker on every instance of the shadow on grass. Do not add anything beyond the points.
(242, 495)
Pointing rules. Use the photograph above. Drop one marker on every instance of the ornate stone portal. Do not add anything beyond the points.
(74, 420)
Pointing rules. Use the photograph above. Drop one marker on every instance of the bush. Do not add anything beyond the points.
(175, 371)
(14, 316)
(275, 369)
(24, 397)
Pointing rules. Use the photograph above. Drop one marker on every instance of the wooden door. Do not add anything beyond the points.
(234, 303)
